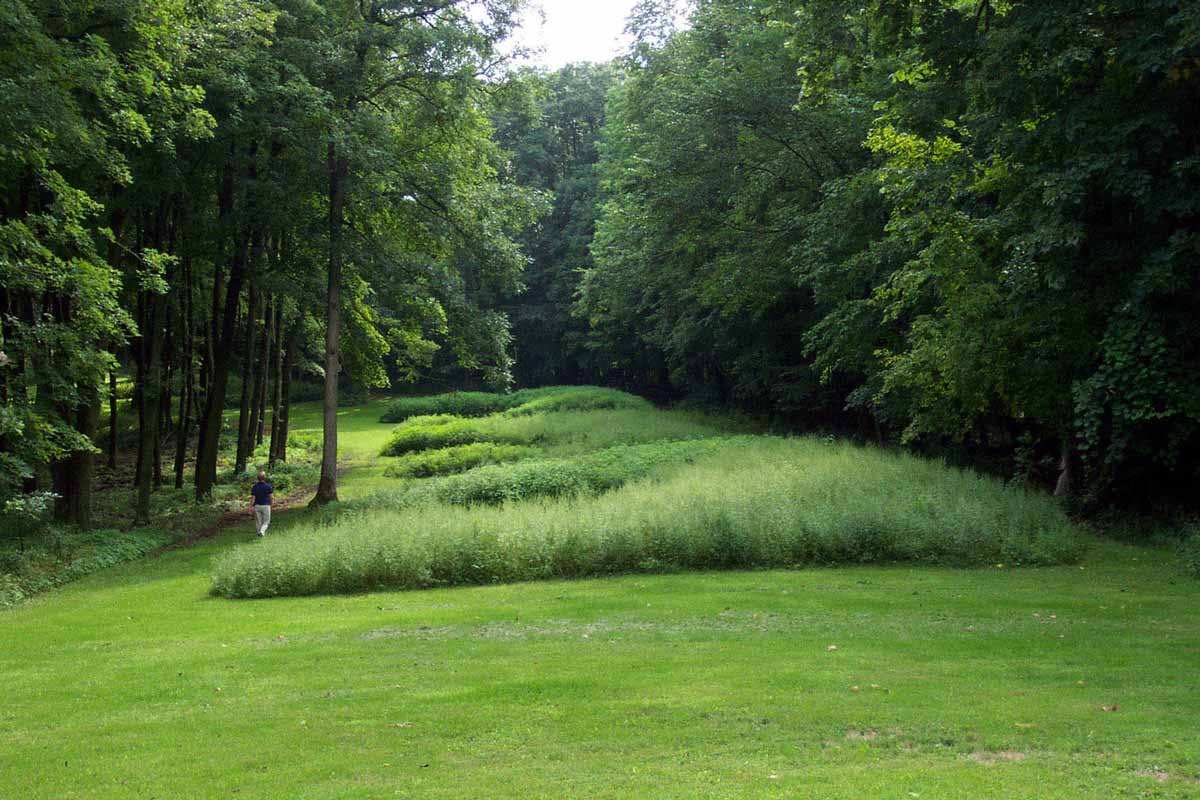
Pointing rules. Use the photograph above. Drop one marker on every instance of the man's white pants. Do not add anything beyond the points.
(262, 519)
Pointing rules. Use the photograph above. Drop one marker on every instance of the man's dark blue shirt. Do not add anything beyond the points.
(262, 493)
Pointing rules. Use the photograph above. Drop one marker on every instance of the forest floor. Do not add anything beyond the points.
(866, 682)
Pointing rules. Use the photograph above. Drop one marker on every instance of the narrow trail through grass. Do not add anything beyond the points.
(832, 683)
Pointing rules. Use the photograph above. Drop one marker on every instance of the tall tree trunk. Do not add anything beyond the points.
(337, 168)
(87, 423)
(285, 393)
(164, 402)
(264, 373)
(75, 476)
(1065, 485)
(151, 394)
(139, 383)
(206, 456)
(222, 347)
(112, 419)
(244, 432)
(276, 383)
(72, 476)
(183, 430)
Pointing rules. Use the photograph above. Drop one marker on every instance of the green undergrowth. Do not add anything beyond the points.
(60, 557)
(577, 431)
(770, 503)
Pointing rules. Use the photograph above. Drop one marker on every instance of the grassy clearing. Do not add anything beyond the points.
(982, 684)
(567, 431)
(768, 503)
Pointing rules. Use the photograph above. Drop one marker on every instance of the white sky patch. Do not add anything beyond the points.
(566, 31)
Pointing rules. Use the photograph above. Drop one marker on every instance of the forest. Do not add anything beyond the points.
(804, 402)
(964, 228)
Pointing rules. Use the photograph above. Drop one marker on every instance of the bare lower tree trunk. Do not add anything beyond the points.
(112, 419)
(1065, 486)
(86, 423)
(219, 341)
(214, 406)
(338, 168)
(261, 379)
(186, 366)
(244, 433)
(276, 378)
(152, 406)
(139, 384)
(285, 399)
(72, 476)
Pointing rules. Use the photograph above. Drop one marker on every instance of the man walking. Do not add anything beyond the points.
(262, 492)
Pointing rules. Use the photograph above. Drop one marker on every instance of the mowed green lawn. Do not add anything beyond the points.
(893, 682)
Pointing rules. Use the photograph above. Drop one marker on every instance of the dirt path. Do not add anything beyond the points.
(242, 515)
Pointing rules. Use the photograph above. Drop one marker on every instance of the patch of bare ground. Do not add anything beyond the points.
(1162, 776)
(236, 517)
(992, 757)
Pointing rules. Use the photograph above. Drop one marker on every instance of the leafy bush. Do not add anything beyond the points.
(573, 430)
(450, 460)
(770, 503)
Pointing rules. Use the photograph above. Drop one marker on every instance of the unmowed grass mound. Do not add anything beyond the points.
(580, 398)
(450, 460)
(774, 503)
(582, 430)
(481, 404)
(591, 473)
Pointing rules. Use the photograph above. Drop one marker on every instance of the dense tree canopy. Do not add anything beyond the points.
(196, 194)
(969, 227)
(952, 224)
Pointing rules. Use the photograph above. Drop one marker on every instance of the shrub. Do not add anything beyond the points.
(450, 460)
(771, 503)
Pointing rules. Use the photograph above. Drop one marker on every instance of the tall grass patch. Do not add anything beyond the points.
(450, 460)
(580, 398)
(576, 431)
(592, 473)
(774, 503)
(480, 404)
